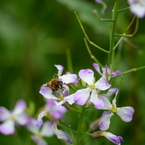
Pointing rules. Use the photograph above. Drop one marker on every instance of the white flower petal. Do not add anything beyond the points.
(87, 75)
(60, 69)
(68, 78)
(19, 108)
(40, 116)
(107, 104)
(22, 119)
(38, 141)
(47, 129)
(47, 93)
(105, 120)
(70, 99)
(126, 113)
(60, 134)
(4, 113)
(102, 84)
(113, 138)
(7, 127)
(81, 96)
(32, 126)
(96, 100)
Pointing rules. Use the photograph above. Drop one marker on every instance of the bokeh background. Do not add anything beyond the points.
(35, 35)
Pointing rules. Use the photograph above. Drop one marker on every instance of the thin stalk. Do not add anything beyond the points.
(91, 55)
(112, 36)
(129, 71)
(86, 36)
(79, 126)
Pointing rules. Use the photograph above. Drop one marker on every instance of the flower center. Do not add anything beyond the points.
(38, 135)
(12, 117)
(114, 108)
(61, 98)
(92, 87)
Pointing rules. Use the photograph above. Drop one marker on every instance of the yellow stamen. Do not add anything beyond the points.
(92, 87)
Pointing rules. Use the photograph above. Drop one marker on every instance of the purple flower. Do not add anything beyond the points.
(60, 134)
(61, 95)
(67, 78)
(91, 92)
(113, 138)
(106, 71)
(9, 118)
(137, 7)
(38, 134)
(125, 113)
(51, 111)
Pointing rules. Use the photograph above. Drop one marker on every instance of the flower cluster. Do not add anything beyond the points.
(58, 100)
(91, 92)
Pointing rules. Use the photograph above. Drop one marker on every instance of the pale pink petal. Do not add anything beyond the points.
(60, 69)
(102, 84)
(105, 120)
(81, 96)
(70, 99)
(116, 73)
(126, 113)
(19, 108)
(4, 113)
(87, 75)
(7, 127)
(96, 100)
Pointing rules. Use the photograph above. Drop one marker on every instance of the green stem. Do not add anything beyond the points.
(91, 55)
(129, 71)
(112, 36)
(79, 126)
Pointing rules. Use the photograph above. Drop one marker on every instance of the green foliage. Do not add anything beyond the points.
(34, 35)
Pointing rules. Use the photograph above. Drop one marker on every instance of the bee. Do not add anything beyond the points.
(55, 84)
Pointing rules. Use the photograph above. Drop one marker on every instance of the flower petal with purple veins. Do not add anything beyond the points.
(102, 84)
(7, 127)
(60, 69)
(81, 96)
(113, 138)
(4, 113)
(60, 134)
(97, 68)
(20, 107)
(47, 93)
(126, 113)
(105, 120)
(68, 78)
(87, 75)
(96, 100)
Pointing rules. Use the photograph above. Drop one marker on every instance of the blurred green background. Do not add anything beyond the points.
(36, 34)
